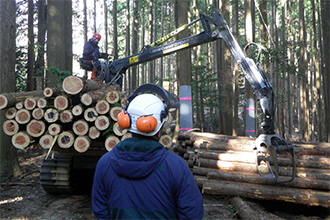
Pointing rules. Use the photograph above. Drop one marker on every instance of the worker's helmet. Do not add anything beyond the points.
(97, 36)
(147, 110)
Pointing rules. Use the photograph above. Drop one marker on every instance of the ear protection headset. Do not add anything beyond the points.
(146, 113)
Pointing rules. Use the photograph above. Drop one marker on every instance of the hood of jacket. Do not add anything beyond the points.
(137, 158)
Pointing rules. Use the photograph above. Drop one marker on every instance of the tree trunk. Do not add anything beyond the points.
(30, 84)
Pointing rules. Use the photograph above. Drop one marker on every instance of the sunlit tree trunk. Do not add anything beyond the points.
(42, 28)
(30, 84)
(135, 43)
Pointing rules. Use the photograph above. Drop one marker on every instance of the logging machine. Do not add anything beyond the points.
(65, 172)
(269, 144)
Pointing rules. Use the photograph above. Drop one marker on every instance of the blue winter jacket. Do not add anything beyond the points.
(140, 179)
(91, 50)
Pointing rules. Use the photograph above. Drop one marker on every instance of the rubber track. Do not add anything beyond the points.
(55, 174)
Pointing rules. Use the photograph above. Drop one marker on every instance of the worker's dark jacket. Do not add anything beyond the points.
(91, 51)
(140, 179)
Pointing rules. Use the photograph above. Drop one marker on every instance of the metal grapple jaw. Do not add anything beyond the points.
(267, 149)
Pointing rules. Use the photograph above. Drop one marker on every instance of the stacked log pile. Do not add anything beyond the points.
(225, 165)
(80, 117)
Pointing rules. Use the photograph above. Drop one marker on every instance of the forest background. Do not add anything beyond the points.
(36, 35)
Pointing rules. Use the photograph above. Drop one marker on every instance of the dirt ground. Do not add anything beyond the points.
(23, 198)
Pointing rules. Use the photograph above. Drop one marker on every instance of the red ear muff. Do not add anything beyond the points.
(146, 123)
(124, 120)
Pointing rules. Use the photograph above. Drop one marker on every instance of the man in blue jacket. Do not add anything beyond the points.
(139, 178)
(91, 55)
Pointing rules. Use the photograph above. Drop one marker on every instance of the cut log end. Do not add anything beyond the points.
(80, 127)
(102, 122)
(66, 139)
(21, 140)
(10, 127)
(81, 144)
(46, 141)
(35, 128)
(72, 85)
(111, 142)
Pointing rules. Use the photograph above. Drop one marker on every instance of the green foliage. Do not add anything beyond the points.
(61, 75)
(21, 70)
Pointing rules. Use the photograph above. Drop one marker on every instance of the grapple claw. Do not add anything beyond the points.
(268, 147)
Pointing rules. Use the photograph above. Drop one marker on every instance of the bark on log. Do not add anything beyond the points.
(41, 103)
(90, 114)
(257, 179)
(10, 113)
(246, 212)
(110, 142)
(93, 132)
(61, 102)
(74, 85)
(82, 143)
(21, 140)
(257, 191)
(66, 139)
(38, 113)
(10, 99)
(118, 130)
(55, 129)
(80, 127)
(249, 157)
(102, 122)
(10, 127)
(93, 96)
(23, 116)
(78, 110)
(35, 128)
(66, 116)
(51, 115)
(114, 111)
(102, 107)
(309, 173)
(166, 140)
(51, 92)
(46, 141)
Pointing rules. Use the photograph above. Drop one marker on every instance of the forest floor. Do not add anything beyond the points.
(23, 198)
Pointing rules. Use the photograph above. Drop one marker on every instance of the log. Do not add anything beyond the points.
(23, 116)
(66, 139)
(127, 135)
(114, 111)
(102, 107)
(61, 102)
(50, 92)
(250, 157)
(118, 130)
(112, 96)
(298, 182)
(51, 115)
(309, 173)
(35, 128)
(19, 105)
(257, 191)
(77, 110)
(102, 122)
(10, 99)
(110, 142)
(74, 85)
(66, 116)
(82, 143)
(55, 129)
(93, 96)
(38, 113)
(21, 140)
(80, 127)
(46, 141)
(10, 113)
(90, 114)
(31, 102)
(41, 103)
(93, 132)
(166, 140)
(244, 211)
(10, 127)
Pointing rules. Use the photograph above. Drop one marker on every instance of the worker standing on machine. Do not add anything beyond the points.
(91, 54)
(139, 178)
